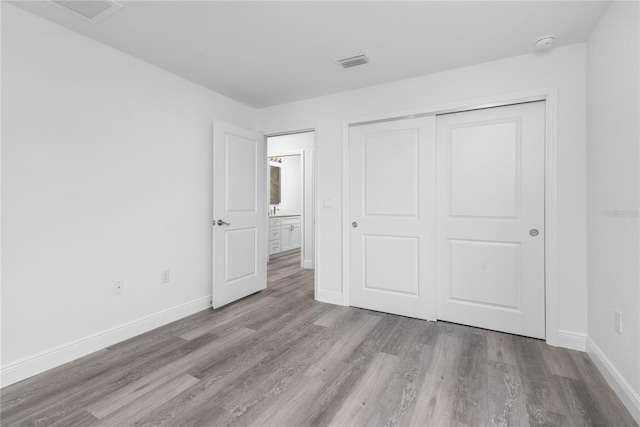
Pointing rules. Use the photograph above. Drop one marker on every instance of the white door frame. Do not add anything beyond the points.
(314, 212)
(550, 186)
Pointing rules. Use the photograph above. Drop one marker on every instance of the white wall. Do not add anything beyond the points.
(284, 144)
(106, 174)
(613, 117)
(562, 68)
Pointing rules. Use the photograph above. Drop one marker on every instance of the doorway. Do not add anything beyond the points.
(286, 204)
(291, 208)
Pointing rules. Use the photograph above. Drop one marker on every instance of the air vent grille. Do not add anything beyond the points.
(353, 61)
(93, 10)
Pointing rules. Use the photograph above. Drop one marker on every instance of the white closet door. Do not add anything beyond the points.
(392, 217)
(491, 218)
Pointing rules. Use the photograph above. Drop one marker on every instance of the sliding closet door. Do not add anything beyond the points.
(491, 218)
(392, 217)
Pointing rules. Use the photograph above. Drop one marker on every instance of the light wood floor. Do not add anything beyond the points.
(279, 358)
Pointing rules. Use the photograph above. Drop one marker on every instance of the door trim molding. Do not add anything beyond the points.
(550, 184)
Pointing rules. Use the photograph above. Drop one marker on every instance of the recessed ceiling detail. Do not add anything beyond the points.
(93, 10)
(353, 61)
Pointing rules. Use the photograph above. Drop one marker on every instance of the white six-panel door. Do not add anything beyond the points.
(491, 218)
(239, 246)
(392, 216)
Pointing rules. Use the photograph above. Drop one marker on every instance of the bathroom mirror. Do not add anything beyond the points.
(274, 194)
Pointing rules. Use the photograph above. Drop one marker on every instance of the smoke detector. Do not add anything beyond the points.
(544, 42)
(91, 10)
(353, 61)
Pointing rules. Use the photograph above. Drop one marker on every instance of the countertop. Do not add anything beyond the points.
(280, 215)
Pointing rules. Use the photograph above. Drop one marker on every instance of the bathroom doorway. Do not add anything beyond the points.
(291, 208)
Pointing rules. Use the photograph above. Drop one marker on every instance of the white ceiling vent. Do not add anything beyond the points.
(93, 10)
(353, 61)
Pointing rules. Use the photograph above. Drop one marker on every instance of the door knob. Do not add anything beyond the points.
(533, 232)
(221, 223)
(354, 224)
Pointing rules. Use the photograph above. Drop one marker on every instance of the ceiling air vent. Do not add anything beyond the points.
(353, 61)
(93, 10)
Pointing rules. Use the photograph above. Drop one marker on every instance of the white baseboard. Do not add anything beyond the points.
(307, 263)
(329, 297)
(618, 383)
(37, 363)
(572, 340)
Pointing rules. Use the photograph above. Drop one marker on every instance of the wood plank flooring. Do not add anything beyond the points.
(279, 358)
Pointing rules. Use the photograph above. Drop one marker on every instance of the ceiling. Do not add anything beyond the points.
(268, 52)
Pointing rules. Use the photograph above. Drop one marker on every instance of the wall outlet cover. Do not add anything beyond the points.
(617, 314)
(164, 277)
(118, 287)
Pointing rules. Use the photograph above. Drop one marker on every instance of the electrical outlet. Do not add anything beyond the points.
(164, 276)
(618, 321)
(118, 287)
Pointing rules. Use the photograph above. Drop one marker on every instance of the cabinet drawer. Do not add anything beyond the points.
(274, 247)
(275, 221)
(274, 233)
(291, 220)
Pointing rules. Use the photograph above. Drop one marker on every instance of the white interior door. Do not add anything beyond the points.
(239, 213)
(491, 218)
(392, 217)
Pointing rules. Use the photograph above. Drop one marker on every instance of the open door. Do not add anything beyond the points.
(239, 221)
